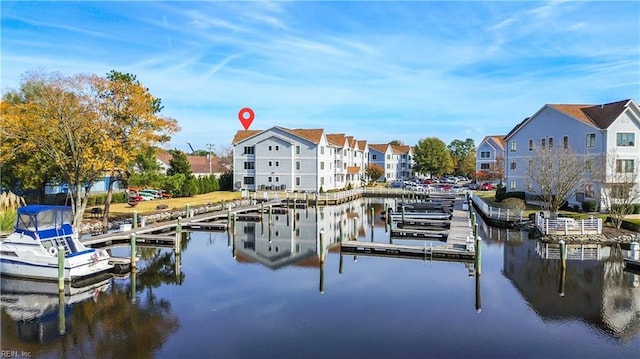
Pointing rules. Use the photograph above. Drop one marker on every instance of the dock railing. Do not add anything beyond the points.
(509, 215)
(568, 226)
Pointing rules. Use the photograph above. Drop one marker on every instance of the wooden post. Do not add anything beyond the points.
(340, 266)
(478, 295)
(134, 282)
(261, 211)
(322, 255)
(133, 251)
(563, 253)
(178, 235)
(306, 199)
(135, 219)
(478, 251)
(62, 327)
(321, 288)
(235, 223)
(186, 211)
(563, 275)
(355, 228)
(373, 216)
(61, 269)
(403, 209)
(270, 214)
(341, 234)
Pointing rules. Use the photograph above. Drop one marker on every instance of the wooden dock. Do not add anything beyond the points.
(458, 246)
(442, 253)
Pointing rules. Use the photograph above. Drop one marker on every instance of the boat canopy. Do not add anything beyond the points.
(44, 221)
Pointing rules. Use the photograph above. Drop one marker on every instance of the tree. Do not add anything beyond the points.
(84, 126)
(620, 188)
(467, 165)
(460, 151)
(557, 173)
(180, 170)
(59, 121)
(432, 157)
(131, 113)
(373, 172)
(146, 170)
(497, 169)
(396, 143)
(225, 157)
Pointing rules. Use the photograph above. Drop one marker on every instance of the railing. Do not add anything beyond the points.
(568, 226)
(340, 195)
(509, 215)
(574, 252)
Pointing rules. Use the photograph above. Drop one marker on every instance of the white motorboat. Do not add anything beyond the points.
(31, 251)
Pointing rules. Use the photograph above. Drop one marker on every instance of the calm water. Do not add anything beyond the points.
(275, 299)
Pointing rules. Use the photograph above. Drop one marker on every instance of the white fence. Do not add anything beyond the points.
(340, 195)
(568, 226)
(496, 212)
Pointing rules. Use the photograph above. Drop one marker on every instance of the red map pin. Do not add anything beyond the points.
(246, 117)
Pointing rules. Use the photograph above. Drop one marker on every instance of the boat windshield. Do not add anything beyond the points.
(44, 221)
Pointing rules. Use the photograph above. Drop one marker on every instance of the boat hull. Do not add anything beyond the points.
(46, 268)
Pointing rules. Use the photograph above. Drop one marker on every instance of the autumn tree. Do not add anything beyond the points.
(432, 157)
(497, 169)
(621, 187)
(83, 125)
(131, 114)
(557, 173)
(467, 165)
(373, 172)
(461, 152)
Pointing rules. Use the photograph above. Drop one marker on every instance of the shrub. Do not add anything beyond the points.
(513, 203)
(119, 197)
(630, 226)
(91, 201)
(500, 193)
(321, 189)
(590, 206)
(515, 194)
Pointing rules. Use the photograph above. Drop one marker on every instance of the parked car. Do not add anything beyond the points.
(165, 194)
(486, 186)
(397, 184)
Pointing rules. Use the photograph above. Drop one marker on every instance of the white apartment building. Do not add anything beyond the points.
(592, 131)
(297, 160)
(396, 160)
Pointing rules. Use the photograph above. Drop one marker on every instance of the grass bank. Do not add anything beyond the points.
(148, 207)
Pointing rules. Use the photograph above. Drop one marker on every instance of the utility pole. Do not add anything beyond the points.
(209, 147)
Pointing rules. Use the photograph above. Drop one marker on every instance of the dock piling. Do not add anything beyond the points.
(178, 235)
(61, 268)
(62, 327)
(133, 251)
(563, 253)
(135, 219)
(478, 250)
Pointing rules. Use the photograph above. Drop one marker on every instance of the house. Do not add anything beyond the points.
(490, 155)
(396, 160)
(201, 166)
(297, 160)
(592, 131)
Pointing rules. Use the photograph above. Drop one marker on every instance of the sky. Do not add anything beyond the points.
(379, 71)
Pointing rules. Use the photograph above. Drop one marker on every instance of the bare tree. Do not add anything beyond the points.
(557, 173)
(621, 187)
(497, 169)
(225, 157)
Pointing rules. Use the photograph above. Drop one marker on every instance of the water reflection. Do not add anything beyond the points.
(594, 290)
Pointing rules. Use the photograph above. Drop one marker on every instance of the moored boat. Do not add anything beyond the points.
(31, 251)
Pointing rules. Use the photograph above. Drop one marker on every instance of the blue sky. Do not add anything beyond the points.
(375, 70)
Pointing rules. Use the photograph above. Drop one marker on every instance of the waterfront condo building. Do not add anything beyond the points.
(396, 160)
(490, 156)
(306, 160)
(601, 134)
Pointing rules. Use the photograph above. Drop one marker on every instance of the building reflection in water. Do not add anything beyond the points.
(593, 288)
(303, 237)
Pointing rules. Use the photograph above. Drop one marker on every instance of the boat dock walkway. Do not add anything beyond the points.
(458, 239)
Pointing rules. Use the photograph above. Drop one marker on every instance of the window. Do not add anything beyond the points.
(485, 166)
(322, 150)
(550, 142)
(514, 148)
(297, 150)
(388, 166)
(374, 157)
(590, 165)
(530, 144)
(277, 164)
(269, 179)
(277, 179)
(624, 166)
(345, 165)
(322, 181)
(277, 148)
(565, 142)
(322, 165)
(513, 165)
(591, 140)
(297, 165)
(297, 181)
(248, 180)
(249, 165)
(270, 163)
(625, 139)
(512, 184)
(269, 148)
(485, 154)
(344, 153)
(543, 143)
(248, 150)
